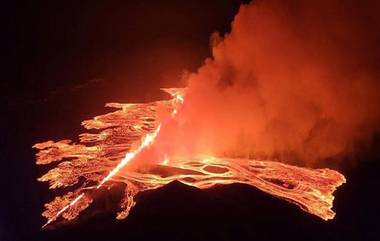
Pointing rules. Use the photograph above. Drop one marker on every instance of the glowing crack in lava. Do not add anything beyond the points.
(101, 159)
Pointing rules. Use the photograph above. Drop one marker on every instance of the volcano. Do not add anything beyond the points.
(107, 158)
(276, 136)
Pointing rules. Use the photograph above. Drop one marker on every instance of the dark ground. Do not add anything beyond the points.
(64, 61)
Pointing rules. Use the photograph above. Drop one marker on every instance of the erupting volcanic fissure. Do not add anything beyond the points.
(106, 158)
(293, 83)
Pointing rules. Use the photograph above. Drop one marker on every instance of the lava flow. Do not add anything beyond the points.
(102, 160)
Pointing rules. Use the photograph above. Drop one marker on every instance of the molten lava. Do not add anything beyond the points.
(102, 160)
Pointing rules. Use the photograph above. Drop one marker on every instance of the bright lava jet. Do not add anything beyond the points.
(103, 159)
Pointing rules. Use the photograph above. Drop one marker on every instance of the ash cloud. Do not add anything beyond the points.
(294, 80)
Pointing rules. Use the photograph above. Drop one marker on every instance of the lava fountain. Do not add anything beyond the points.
(125, 136)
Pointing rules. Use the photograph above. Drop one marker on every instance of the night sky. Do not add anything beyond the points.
(64, 61)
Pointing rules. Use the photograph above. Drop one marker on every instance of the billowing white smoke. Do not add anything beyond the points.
(296, 80)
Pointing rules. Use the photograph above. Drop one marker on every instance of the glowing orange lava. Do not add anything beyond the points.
(102, 158)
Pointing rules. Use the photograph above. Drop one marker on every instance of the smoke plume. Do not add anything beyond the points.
(293, 80)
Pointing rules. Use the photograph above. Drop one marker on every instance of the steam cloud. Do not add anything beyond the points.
(294, 80)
